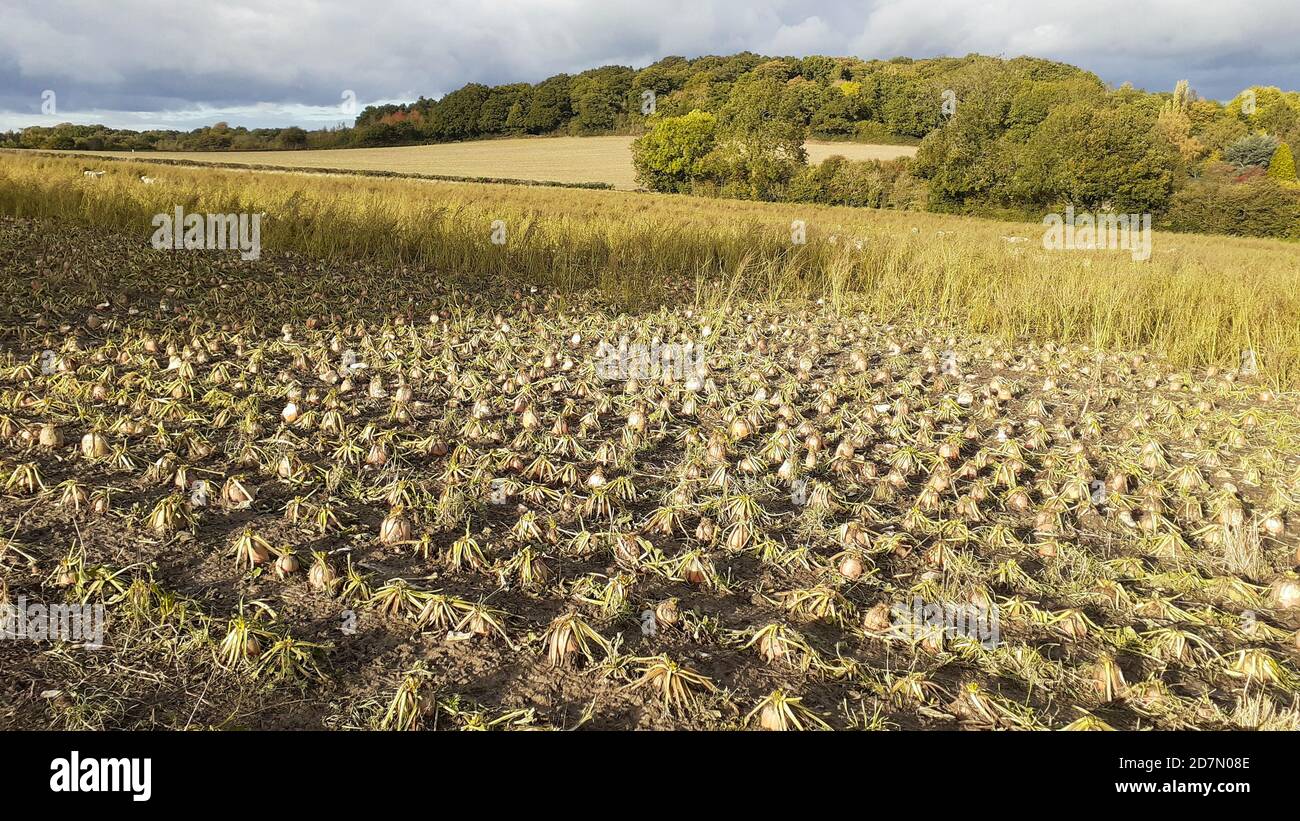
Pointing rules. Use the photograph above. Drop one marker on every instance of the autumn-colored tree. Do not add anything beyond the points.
(1175, 125)
(1282, 166)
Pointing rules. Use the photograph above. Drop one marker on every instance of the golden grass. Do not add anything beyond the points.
(1199, 300)
(557, 159)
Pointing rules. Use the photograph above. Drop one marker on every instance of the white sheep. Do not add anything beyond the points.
(93, 174)
(1014, 240)
(147, 180)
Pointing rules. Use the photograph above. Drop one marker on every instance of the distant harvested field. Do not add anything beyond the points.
(818, 151)
(557, 159)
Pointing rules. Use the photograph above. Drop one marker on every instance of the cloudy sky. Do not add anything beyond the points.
(145, 64)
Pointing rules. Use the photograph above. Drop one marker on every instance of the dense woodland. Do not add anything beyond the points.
(1009, 137)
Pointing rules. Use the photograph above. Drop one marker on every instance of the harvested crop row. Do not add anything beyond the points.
(355, 495)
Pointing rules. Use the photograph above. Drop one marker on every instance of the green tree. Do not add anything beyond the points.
(839, 114)
(759, 143)
(670, 156)
(550, 107)
(456, 115)
(292, 138)
(1267, 108)
(1097, 157)
(517, 119)
(839, 181)
(1035, 99)
(964, 159)
(910, 106)
(802, 99)
(598, 98)
(819, 69)
(1221, 132)
(495, 111)
(663, 77)
(1251, 150)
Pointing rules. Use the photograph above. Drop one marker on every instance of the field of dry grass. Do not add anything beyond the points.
(910, 473)
(1199, 300)
(557, 159)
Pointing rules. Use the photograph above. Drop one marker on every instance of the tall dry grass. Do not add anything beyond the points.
(1199, 300)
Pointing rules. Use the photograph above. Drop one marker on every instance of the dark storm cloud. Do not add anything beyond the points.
(136, 63)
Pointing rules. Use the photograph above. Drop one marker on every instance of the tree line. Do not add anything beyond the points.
(834, 98)
(1011, 137)
(1006, 137)
(216, 137)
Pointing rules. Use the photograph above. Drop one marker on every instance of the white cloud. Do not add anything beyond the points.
(806, 37)
(256, 115)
